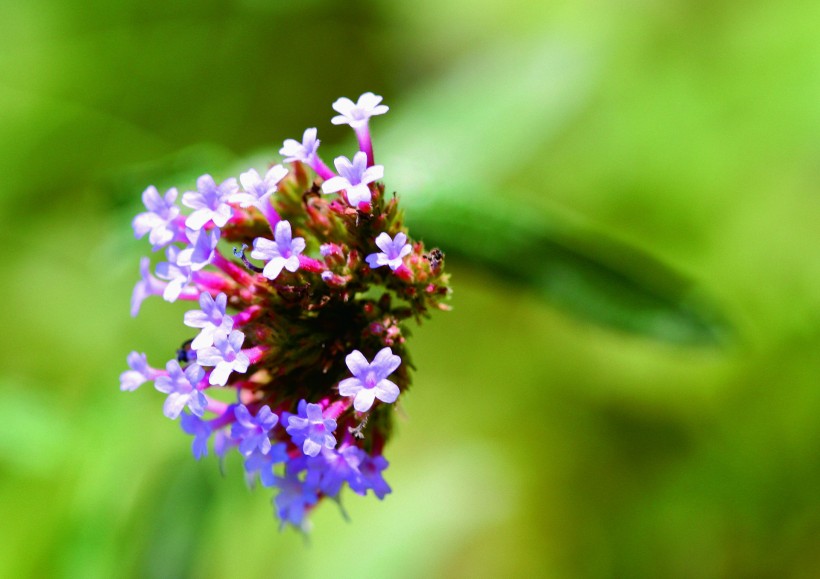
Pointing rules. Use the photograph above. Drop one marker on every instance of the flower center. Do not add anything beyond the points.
(370, 379)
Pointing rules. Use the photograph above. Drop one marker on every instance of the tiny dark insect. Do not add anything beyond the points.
(184, 353)
(435, 257)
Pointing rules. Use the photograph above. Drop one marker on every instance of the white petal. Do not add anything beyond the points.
(358, 194)
(357, 363)
(335, 184)
(349, 386)
(174, 405)
(219, 375)
(364, 400)
(198, 219)
(386, 391)
(274, 268)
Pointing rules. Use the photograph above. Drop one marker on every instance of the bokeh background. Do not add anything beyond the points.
(628, 196)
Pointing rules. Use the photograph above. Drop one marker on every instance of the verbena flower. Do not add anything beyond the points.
(292, 337)
(201, 251)
(160, 219)
(281, 253)
(354, 178)
(211, 318)
(256, 190)
(369, 380)
(393, 251)
(358, 114)
(252, 431)
(200, 430)
(225, 355)
(140, 372)
(181, 387)
(209, 202)
(311, 430)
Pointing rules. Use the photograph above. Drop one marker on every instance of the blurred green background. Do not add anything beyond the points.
(628, 195)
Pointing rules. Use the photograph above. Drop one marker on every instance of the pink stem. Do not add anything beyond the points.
(365, 144)
(255, 354)
(320, 168)
(235, 271)
(247, 315)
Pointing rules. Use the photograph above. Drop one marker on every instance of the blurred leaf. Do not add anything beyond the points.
(589, 275)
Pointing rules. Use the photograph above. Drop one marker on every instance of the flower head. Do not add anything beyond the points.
(226, 356)
(370, 379)
(209, 202)
(358, 114)
(354, 177)
(160, 219)
(181, 387)
(277, 339)
(392, 251)
(283, 252)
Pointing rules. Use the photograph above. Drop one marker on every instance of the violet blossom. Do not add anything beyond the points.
(211, 318)
(252, 431)
(392, 251)
(160, 219)
(354, 178)
(311, 430)
(209, 202)
(369, 380)
(282, 253)
(226, 356)
(181, 387)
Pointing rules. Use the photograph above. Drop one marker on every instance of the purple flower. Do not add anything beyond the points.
(304, 152)
(370, 379)
(226, 356)
(370, 477)
(331, 469)
(140, 372)
(256, 190)
(147, 286)
(178, 276)
(159, 219)
(358, 114)
(209, 202)
(354, 178)
(252, 431)
(181, 388)
(293, 499)
(263, 463)
(201, 251)
(282, 253)
(211, 318)
(200, 430)
(311, 430)
(393, 251)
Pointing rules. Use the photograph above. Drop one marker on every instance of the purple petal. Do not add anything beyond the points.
(386, 391)
(357, 363)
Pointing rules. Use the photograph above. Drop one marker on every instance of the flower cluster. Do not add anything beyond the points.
(298, 351)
